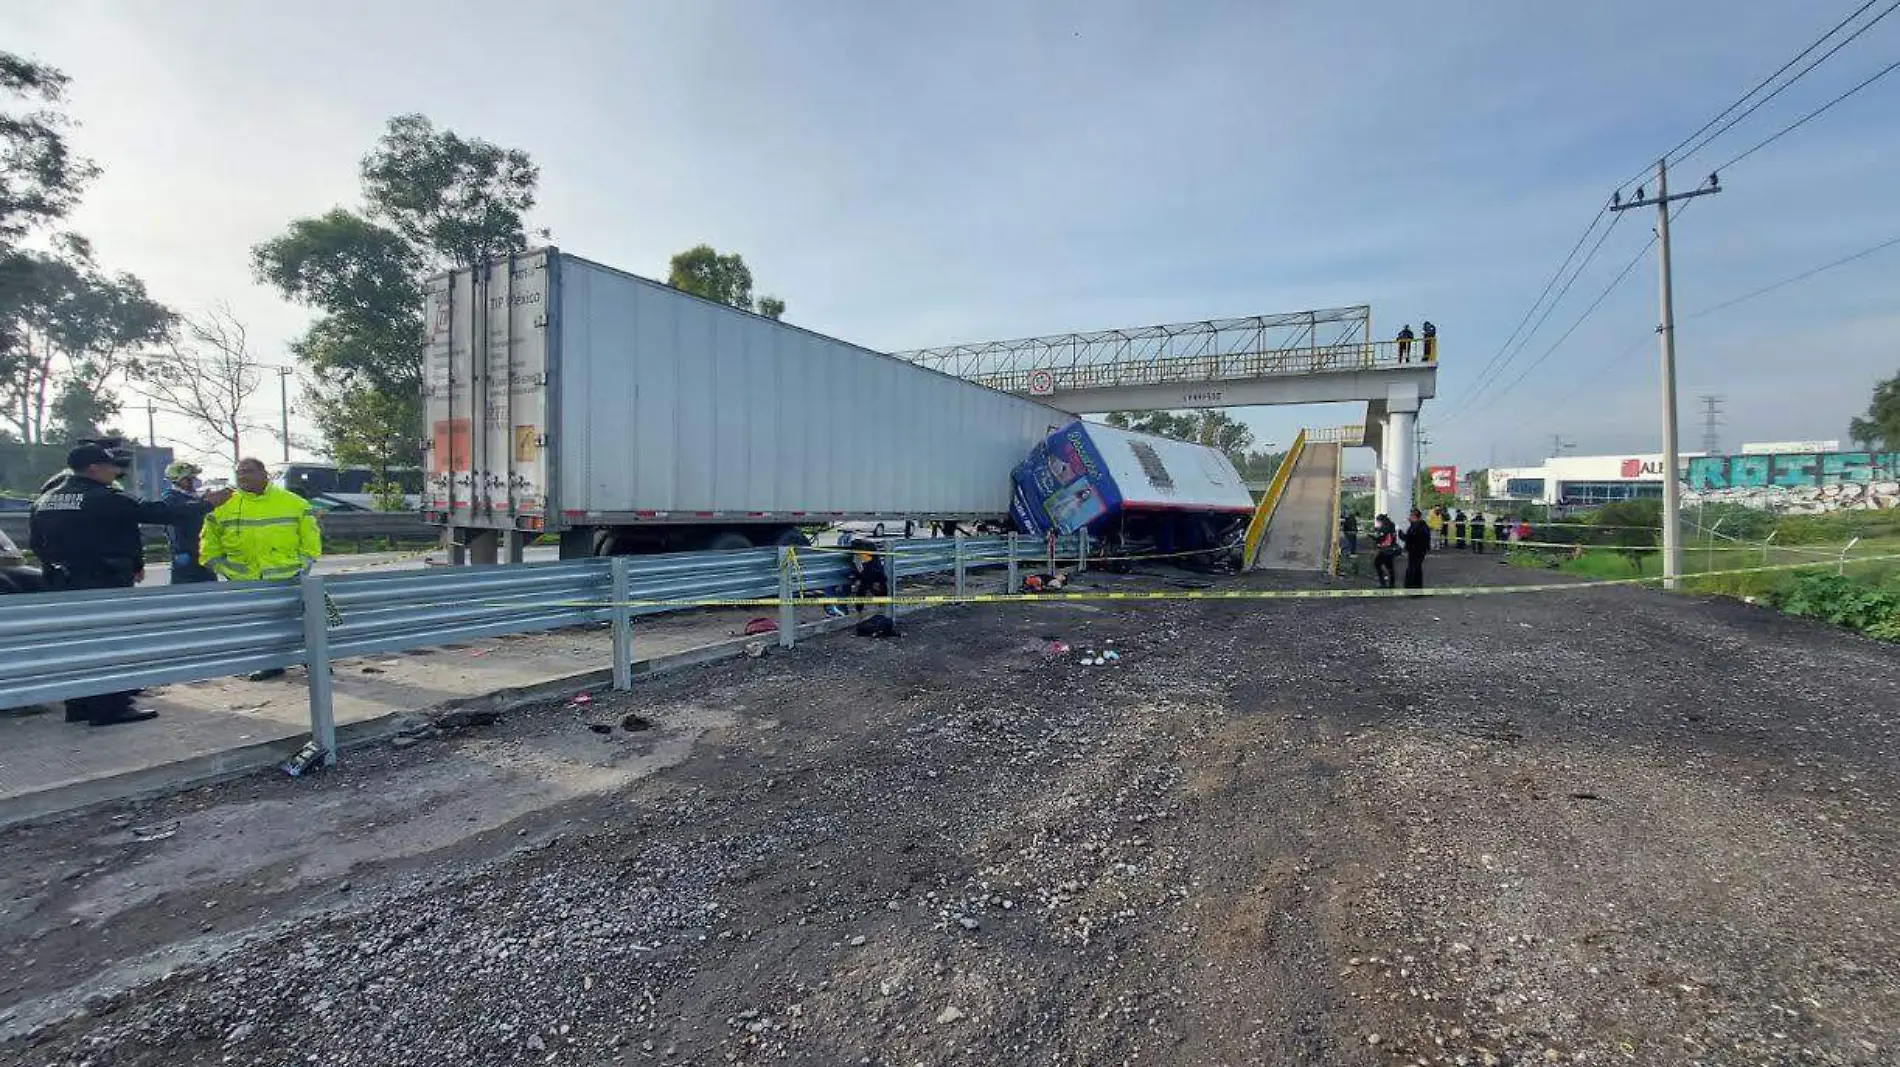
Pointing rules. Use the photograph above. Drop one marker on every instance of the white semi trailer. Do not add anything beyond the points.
(564, 396)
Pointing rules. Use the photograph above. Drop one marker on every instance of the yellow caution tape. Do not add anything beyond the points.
(1228, 594)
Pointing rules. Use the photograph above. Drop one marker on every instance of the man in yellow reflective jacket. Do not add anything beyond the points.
(263, 533)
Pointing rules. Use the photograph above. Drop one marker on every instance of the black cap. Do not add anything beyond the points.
(92, 456)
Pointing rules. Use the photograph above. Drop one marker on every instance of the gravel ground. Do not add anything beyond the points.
(1600, 827)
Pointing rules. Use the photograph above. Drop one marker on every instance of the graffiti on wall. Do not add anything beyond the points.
(1791, 470)
(1799, 481)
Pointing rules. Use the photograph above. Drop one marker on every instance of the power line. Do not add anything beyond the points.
(1591, 310)
(1606, 365)
(1759, 86)
(1805, 119)
(1803, 276)
(1822, 58)
(1587, 312)
(1535, 304)
(1471, 398)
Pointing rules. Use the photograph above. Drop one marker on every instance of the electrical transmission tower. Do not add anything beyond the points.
(1711, 419)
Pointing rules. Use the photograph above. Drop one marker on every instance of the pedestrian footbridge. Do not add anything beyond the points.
(1308, 357)
(1293, 524)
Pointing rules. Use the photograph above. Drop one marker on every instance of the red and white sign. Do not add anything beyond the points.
(1042, 382)
(1642, 468)
(1444, 479)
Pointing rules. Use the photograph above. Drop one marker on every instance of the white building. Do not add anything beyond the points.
(1583, 481)
(1588, 481)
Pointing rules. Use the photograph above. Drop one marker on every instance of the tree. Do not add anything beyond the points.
(433, 199)
(1202, 426)
(703, 272)
(76, 331)
(457, 201)
(40, 178)
(208, 378)
(1881, 427)
(1631, 527)
(65, 328)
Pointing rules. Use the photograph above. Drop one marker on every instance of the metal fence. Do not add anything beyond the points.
(61, 645)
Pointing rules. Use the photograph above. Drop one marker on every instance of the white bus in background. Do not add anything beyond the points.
(332, 488)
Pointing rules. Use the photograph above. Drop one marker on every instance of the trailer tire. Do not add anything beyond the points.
(728, 541)
(792, 539)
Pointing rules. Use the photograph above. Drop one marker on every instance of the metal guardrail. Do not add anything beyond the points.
(60, 645)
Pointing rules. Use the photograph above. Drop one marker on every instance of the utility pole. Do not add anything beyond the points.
(1672, 455)
(1558, 444)
(283, 399)
(151, 443)
(1711, 418)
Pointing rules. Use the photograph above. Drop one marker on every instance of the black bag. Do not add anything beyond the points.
(879, 625)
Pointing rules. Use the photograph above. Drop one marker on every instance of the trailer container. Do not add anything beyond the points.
(564, 396)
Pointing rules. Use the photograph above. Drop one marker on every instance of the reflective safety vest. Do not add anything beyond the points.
(268, 536)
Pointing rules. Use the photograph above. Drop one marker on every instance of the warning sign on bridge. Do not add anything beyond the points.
(1042, 382)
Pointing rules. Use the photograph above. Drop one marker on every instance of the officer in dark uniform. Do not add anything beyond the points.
(85, 532)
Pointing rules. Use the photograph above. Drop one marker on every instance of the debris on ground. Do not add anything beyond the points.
(1281, 832)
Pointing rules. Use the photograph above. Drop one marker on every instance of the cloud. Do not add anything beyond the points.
(911, 175)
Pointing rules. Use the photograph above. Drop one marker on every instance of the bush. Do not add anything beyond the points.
(1842, 601)
(1733, 520)
(387, 496)
(1835, 528)
(1631, 527)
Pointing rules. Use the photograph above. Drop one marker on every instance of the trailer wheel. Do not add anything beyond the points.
(728, 541)
(791, 539)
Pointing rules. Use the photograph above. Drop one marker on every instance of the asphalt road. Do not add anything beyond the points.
(1586, 827)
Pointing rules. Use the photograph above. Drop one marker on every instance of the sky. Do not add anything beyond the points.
(909, 175)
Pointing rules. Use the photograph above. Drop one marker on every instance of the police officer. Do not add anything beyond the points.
(85, 532)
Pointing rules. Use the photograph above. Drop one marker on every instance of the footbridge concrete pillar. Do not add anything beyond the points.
(1397, 450)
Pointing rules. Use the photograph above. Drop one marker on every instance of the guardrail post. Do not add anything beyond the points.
(621, 590)
(1013, 583)
(1842, 567)
(890, 577)
(316, 651)
(1081, 550)
(787, 606)
(959, 562)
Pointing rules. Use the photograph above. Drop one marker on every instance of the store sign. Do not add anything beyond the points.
(1642, 468)
(1444, 479)
(1791, 470)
